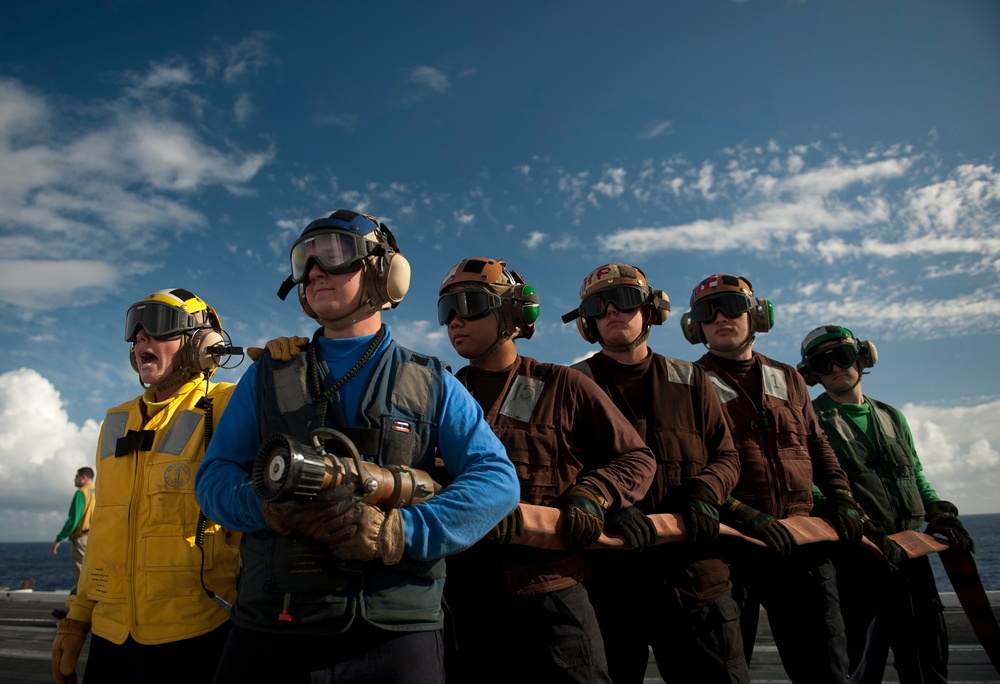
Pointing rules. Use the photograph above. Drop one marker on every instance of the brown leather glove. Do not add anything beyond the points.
(280, 348)
(512, 525)
(368, 533)
(584, 520)
(318, 518)
(66, 649)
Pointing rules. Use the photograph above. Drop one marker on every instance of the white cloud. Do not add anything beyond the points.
(41, 284)
(431, 78)
(959, 448)
(104, 186)
(535, 239)
(656, 129)
(40, 451)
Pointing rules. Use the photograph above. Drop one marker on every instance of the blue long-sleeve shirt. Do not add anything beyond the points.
(484, 489)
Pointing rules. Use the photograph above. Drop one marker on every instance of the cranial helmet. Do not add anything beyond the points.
(848, 349)
(504, 292)
(627, 288)
(177, 313)
(344, 241)
(734, 296)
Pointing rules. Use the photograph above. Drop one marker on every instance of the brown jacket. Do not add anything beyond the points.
(782, 447)
(559, 429)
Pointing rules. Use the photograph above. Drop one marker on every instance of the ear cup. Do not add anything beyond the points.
(692, 330)
(867, 354)
(131, 357)
(660, 307)
(584, 329)
(806, 374)
(397, 278)
(762, 316)
(194, 355)
(525, 305)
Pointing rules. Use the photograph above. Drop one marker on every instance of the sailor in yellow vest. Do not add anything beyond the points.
(81, 508)
(154, 587)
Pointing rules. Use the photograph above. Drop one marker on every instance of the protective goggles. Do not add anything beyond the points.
(160, 321)
(823, 361)
(731, 305)
(334, 252)
(625, 298)
(467, 304)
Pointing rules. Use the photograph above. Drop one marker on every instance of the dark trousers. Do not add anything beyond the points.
(192, 661)
(896, 610)
(362, 655)
(552, 637)
(681, 607)
(800, 595)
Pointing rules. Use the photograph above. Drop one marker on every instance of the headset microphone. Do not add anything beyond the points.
(222, 350)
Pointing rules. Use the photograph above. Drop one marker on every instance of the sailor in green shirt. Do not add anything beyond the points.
(78, 521)
(891, 603)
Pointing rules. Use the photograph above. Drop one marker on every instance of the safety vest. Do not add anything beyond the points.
(776, 474)
(883, 473)
(323, 594)
(83, 527)
(141, 574)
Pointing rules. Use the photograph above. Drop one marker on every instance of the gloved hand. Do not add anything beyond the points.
(942, 519)
(701, 515)
(280, 348)
(758, 525)
(367, 533)
(317, 518)
(635, 526)
(846, 516)
(66, 649)
(892, 553)
(511, 525)
(584, 520)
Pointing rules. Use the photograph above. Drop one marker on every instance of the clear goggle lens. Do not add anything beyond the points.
(822, 362)
(467, 304)
(160, 321)
(731, 305)
(626, 299)
(334, 252)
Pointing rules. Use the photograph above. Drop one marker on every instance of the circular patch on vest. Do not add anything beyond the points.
(176, 475)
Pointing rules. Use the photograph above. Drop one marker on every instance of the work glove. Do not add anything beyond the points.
(318, 518)
(942, 519)
(280, 348)
(367, 532)
(635, 526)
(759, 525)
(700, 512)
(892, 553)
(70, 637)
(584, 520)
(512, 525)
(846, 516)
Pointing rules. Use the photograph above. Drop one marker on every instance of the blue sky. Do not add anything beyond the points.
(840, 155)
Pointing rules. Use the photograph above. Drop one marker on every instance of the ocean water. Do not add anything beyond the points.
(34, 560)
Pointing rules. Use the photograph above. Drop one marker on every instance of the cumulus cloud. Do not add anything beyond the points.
(959, 448)
(40, 451)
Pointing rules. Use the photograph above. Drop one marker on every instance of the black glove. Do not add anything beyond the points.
(584, 520)
(758, 525)
(511, 525)
(701, 515)
(942, 519)
(635, 526)
(846, 516)
(892, 553)
(318, 518)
